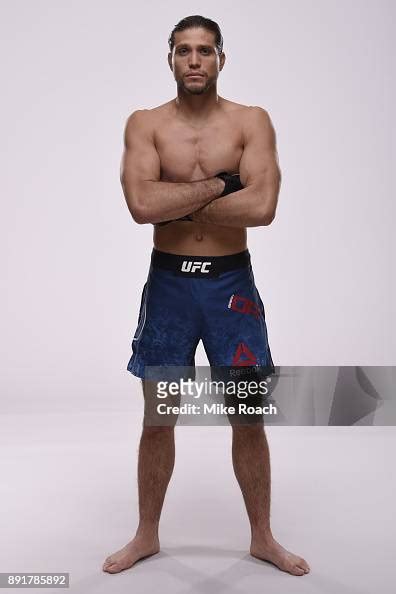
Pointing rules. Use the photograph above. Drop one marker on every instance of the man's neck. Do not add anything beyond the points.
(197, 108)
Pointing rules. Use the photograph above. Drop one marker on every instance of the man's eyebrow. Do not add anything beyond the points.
(201, 45)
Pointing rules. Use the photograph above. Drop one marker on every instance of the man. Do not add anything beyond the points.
(180, 173)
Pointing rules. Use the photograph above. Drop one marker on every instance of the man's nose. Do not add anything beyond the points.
(195, 59)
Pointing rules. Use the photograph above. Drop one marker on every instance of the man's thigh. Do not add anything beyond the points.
(168, 328)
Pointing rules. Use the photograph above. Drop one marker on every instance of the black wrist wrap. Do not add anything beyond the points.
(232, 183)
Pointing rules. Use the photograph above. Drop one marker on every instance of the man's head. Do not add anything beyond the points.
(196, 47)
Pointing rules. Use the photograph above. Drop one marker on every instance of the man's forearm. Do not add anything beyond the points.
(164, 201)
(245, 208)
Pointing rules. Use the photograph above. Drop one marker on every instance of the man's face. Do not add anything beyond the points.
(195, 53)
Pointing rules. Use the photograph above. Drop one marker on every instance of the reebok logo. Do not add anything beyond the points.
(244, 305)
(243, 356)
(189, 266)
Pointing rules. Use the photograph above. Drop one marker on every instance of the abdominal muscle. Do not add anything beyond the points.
(199, 239)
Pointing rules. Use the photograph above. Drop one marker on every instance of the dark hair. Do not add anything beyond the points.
(197, 21)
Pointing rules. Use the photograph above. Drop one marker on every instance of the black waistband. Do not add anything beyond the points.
(201, 266)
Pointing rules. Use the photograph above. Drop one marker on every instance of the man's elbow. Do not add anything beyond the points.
(136, 208)
(139, 214)
(266, 217)
(142, 214)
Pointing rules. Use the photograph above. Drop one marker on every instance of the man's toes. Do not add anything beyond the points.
(111, 567)
(292, 566)
(296, 570)
(300, 567)
(303, 564)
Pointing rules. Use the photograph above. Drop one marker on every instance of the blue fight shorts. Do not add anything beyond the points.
(191, 298)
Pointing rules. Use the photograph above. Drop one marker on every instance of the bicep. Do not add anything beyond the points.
(140, 160)
(259, 161)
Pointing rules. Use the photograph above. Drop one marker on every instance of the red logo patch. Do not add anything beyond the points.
(243, 356)
(244, 305)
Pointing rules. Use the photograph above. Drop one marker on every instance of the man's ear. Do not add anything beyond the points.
(170, 61)
(222, 60)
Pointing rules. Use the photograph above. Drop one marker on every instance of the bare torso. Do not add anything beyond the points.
(189, 153)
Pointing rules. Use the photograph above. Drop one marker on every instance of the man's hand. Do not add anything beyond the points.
(232, 183)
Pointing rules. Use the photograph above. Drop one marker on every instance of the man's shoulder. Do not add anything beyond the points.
(246, 110)
(255, 113)
(248, 116)
(148, 116)
(256, 120)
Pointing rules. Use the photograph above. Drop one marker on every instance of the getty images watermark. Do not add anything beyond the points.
(319, 395)
(196, 389)
(178, 395)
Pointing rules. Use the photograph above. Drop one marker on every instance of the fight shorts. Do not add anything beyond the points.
(191, 298)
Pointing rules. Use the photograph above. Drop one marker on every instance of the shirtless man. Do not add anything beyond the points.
(173, 154)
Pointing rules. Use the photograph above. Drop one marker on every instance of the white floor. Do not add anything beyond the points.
(69, 499)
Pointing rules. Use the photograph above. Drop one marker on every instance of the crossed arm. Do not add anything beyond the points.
(260, 175)
(151, 201)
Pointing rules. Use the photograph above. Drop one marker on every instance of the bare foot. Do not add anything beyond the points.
(270, 550)
(138, 548)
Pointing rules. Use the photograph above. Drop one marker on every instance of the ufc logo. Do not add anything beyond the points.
(189, 266)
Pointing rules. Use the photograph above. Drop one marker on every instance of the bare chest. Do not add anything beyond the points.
(188, 153)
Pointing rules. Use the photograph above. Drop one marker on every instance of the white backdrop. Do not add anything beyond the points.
(74, 261)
